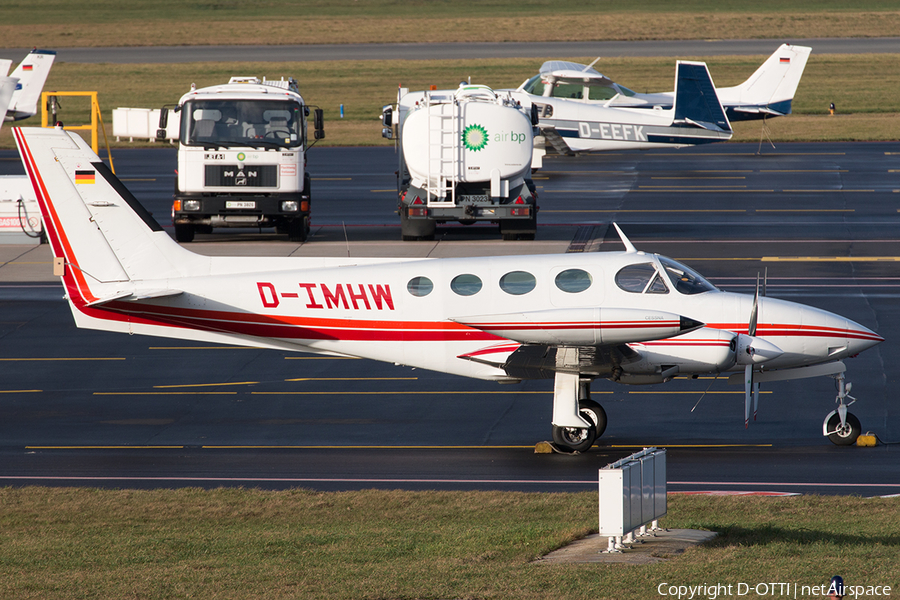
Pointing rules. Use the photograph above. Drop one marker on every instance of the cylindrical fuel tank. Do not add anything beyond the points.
(469, 138)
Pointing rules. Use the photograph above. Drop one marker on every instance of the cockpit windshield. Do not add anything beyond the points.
(684, 279)
(233, 123)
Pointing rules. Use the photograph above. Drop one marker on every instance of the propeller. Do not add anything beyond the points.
(751, 387)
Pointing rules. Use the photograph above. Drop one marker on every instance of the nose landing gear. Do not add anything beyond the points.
(841, 427)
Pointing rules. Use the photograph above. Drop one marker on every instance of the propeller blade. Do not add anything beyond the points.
(748, 388)
(751, 329)
(755, 399)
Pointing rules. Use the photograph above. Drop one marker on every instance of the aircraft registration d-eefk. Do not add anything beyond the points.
(630, 317)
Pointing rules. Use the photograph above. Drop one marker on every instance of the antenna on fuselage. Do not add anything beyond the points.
(629, 247)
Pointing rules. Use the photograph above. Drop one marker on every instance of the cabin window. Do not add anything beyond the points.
(568, 90)
(573, 280)
(419, 286)
(601, 92)
(642, 278)
(685, 280)
(466, 285)
(517, 283)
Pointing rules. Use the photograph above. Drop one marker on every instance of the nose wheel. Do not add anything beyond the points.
(842, 428)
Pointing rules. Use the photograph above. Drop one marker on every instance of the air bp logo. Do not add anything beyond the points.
(475, 137)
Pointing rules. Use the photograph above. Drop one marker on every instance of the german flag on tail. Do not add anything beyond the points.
(84, 176)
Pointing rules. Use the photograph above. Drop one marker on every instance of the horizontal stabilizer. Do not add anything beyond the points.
(583, 326)
(135, 295)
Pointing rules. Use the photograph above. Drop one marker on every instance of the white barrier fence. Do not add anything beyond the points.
(142, 123)
(632, 495)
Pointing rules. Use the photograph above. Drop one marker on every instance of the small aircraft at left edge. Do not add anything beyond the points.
(630, 317)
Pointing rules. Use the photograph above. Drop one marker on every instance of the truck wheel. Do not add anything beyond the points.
(298, 229)
(184, 232)
(417, 229)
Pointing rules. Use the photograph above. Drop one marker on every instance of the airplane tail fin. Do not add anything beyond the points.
(696, 101)
(7, 87)
(107, 242)
(770, 90)
(32, 74)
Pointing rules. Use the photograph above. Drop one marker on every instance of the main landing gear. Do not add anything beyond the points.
(840, 426)
(575, 430)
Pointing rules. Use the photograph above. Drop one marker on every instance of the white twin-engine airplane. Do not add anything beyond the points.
(28, 83)
(627, 316)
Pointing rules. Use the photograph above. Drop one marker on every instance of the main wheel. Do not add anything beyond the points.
(184, 233)
(576, 439)
(595, 412)
(846, 435)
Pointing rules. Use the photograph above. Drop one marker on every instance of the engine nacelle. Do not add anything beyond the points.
(705, 350)
(583, 326)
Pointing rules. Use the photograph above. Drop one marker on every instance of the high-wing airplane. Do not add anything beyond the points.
(630, 317)
(768, 93)
(571, 122)
(31, 74)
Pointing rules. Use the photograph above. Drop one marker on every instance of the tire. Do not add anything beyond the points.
(415, 229)
(575, 439)
(847, 435)
(298, 229)
(595, 413)
(184, 233)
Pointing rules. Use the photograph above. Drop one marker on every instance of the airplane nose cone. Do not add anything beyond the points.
(861, 338)
(762, 350)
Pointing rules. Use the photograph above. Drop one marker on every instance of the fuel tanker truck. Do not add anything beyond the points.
(465, 155)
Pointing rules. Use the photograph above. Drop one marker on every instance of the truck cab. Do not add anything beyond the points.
(242, 158)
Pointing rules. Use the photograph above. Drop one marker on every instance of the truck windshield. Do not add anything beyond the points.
(234, 123)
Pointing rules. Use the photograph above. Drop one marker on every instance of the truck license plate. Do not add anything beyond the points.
(474, 199)
(240, 204)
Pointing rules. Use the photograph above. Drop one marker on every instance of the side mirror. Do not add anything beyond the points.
(163, 121)
(535, 116)
(319, 121)
(387, 132)
(387, 116)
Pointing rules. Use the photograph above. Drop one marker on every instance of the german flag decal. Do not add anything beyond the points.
(27, 67)
(84, 176)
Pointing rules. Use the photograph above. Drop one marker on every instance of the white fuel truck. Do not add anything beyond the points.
(242, 158)
(465, 155)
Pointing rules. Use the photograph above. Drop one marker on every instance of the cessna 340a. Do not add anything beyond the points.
(570, 122)
(627, 316)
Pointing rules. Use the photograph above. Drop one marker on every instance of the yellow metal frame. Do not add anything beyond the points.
(96, 121)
